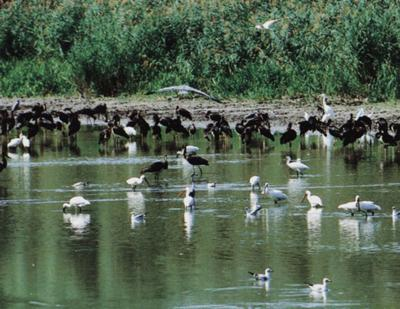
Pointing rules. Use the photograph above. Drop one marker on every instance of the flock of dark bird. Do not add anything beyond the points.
(16, 120)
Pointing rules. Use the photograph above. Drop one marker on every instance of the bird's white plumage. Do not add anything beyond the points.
(26, 143)
(80, 184)
(328, 110)
(14, 142)
(313, 200)
(296, 166)
(357, 205)
(189, 199)
(318, 287)
(136, 181)
(395, 212)
(275, 194)
(262, 277)
(189, 149)
(130, 131)
(267, 25)
(76, 201)
(254, 181)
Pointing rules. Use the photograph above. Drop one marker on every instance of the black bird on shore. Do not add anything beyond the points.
(183, 113)
(289, 136)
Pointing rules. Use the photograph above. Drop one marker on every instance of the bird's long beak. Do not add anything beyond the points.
(147, 182)
(181, 193)
(304, 197)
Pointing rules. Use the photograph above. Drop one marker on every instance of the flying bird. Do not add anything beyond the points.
(185, 90)
(267, 25)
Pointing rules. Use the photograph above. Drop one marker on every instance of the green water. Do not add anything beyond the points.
(199, 259)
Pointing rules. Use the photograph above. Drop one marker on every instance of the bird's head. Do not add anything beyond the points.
(268, 271)
(326, 280)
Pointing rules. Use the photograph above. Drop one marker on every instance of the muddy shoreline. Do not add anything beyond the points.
(281, 111)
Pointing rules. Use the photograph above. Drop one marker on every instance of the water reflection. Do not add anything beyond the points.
(314, 225)
(355, 232)
(136, 202)
(320, 296)
(78, 222)
(297, 185)
(131, 147)
(188, 219)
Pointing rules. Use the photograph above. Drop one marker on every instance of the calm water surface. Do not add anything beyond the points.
(199, 259)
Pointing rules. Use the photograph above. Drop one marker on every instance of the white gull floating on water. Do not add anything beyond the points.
(262, 277)
(317, 287)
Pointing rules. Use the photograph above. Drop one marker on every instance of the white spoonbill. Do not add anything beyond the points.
(26, 143)
(189, 200)
(317, 287)
(14, 142)
(395, 213)
(313, 200)
(297, 165)
(276, 195)
(136, 181)
(130, 131)
(267, 25)
(77, 202)
(255, 181)
(262, 277)
(360, 206)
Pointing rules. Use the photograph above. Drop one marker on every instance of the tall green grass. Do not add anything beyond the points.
(127, 47)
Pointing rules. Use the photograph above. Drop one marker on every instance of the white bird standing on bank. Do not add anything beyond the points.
(328, 110)
(267, 25)
(136, 181)
(276, 195)
(319, 287)
(313, 200)
(77, 202)
(296, 166)
(360, 206)
(255, 181)
(262, 277)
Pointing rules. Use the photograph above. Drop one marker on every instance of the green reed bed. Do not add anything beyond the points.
(128, 47)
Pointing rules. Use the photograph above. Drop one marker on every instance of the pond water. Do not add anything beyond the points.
(199, 259)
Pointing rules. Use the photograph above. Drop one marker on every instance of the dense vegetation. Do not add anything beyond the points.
(127, 47)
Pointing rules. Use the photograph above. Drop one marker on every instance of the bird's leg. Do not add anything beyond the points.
(276, 202)
(80, 209)
(352, 214)
(201, 172)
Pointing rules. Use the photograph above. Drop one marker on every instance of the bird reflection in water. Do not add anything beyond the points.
(320, 296)
(136, 207)
(188, 219)
(314, 225)
(78, 222)
(352, 157)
